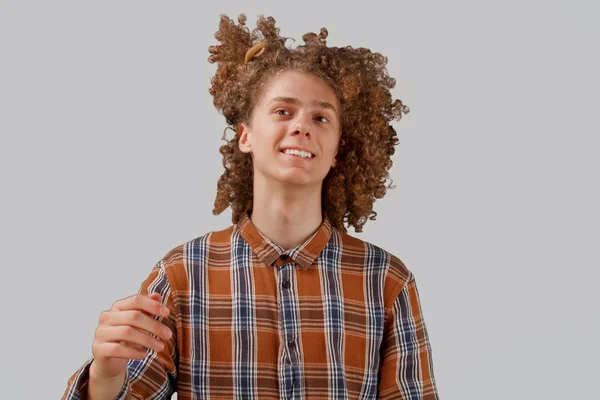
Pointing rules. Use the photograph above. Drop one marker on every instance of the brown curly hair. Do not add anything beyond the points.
(362, 85)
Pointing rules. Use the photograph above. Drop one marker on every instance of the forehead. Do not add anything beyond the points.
(304, 87)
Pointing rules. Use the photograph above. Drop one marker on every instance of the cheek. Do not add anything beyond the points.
(266, 141)
(332, 145)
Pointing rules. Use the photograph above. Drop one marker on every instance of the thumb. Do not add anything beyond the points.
(155, 296)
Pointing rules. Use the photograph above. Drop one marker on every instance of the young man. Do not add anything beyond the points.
(283, 303)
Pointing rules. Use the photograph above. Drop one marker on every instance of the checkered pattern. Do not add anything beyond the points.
(334, 318)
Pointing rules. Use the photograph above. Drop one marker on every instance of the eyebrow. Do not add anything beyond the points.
(293, 100)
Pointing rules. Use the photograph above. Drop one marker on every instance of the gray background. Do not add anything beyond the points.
(109, 158)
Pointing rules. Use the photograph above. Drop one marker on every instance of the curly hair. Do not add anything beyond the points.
(362, 85)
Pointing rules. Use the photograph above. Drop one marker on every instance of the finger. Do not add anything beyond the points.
(118, 350)
(129, 334)
(139, 320)
(143, 303)
(131, 344)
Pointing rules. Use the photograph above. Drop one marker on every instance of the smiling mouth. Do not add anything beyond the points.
(297, 157)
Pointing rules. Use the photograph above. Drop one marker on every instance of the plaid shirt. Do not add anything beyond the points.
(335, 317)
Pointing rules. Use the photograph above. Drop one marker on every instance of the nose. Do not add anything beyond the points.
(301, 126)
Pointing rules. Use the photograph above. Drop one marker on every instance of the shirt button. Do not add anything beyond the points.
(292, 344)
(286, 284)
(282, 259)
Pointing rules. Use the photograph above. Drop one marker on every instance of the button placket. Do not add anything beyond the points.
(289, 315)
(288, 312)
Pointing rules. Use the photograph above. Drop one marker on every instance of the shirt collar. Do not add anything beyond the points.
(269, 252)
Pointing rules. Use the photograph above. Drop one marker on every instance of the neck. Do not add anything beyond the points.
(286, 215)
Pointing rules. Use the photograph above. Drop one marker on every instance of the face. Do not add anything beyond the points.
(296, 110)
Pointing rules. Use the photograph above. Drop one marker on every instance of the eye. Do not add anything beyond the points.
(278, 112)
(326, 120)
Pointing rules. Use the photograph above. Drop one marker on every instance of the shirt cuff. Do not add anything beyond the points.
(81, 379)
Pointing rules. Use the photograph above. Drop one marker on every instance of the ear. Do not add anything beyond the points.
(244, 143)
(334, 163)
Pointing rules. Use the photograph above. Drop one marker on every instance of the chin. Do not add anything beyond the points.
(296, 177)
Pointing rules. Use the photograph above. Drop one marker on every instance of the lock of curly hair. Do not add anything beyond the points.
(247, 60)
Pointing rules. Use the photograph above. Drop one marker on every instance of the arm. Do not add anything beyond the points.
(151, 377)
(406, 370)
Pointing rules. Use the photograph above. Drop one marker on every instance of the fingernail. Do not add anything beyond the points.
(167, 333)
(164, 311)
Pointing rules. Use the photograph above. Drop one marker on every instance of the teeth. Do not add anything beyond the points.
(298, 153)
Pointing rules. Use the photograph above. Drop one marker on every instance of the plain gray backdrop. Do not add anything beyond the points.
(109, 158)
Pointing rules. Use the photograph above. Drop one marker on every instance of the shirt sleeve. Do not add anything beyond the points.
(152, 377)
(406, 370)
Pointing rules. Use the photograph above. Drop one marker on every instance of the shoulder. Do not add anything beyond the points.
(177, 261)
(395, 273)
(395, 268)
